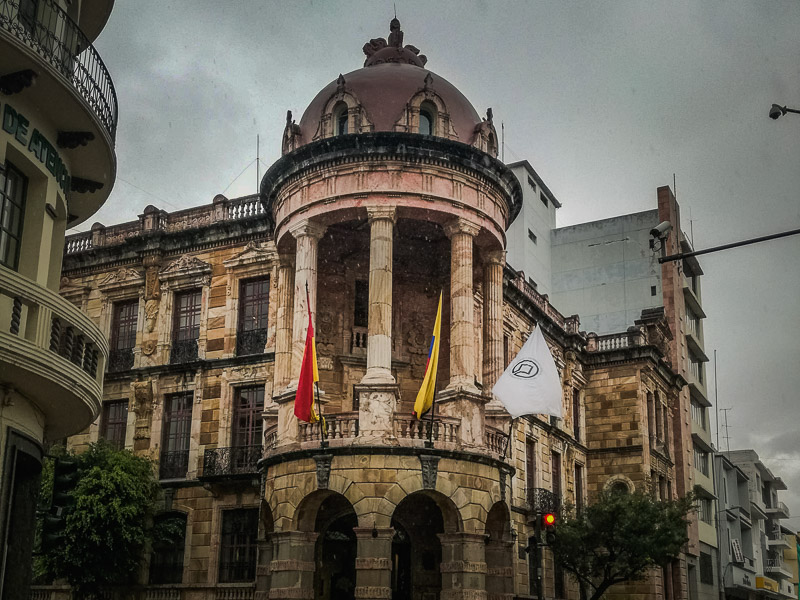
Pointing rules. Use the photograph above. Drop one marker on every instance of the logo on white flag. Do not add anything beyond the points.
(525, 369)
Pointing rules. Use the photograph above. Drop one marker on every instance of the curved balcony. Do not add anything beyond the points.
(51, 353)
(73, 88)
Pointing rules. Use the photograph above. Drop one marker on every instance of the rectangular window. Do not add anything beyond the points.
(176, 435)
(124, 321)
(253, 311)
(506, 350)
(578, 487)
(530, 463)
(701, 461)
(696, 369)
(532, 183)
(699, 414)
(186, 326)
(166, 561)
(237, 562)
(653, 290)
(114, 423)
(704, 508)
(13, 186)
(555, 461)
(543, 198)
(576, 413)
(247, 409)
(361, 307)
(531, 236)
(706, 569)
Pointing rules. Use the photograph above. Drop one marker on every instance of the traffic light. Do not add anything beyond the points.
(548, 525)
(65, 478)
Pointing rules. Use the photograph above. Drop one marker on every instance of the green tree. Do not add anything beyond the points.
(108, 525)
(618, 537)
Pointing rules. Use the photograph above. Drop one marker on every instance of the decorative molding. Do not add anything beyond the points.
(121, 278)
(186, 266)
(463, 566)
(323, 462)
(430, 470)
(463, 595)
(372, 591)
(293, 592)
(291, 564)
(373, 563)
(252, 254)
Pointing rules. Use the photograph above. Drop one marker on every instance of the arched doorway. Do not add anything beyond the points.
(335, 552)
(499, 551)
(416, 550)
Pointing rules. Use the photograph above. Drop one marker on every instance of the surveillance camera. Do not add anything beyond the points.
(661, 230)
(775, 112)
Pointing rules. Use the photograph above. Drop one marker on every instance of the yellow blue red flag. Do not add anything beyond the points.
(424, 400)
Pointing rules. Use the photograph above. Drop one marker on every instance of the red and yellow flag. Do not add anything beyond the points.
(426, 391)
(304, 400)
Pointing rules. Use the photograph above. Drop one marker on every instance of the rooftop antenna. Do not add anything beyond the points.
(258, 159)
(727, 436)
(502, 141)
(716, 398)
(394, 4)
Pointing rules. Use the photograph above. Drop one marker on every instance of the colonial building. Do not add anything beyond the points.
(389, 193)
(57, 167)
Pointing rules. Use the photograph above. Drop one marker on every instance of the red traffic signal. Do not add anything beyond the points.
(548, 519)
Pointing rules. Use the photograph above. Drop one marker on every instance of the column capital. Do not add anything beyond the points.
(461, 225)
(380, 213)
(307, 228)
(495, 257)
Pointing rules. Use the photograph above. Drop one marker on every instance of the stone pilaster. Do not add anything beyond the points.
(283, 329)
(379, 334)
(307, 235)
(292, 567)
(462, 301)
(463, 566)
(374, 563)
(263, 576)
(493, 325)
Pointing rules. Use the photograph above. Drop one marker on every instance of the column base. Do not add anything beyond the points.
(377, 403)
(469, 407)
(378, 375)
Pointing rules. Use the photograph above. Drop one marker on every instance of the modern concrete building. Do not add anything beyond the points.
(388, 193)
(58, 117)
(768, 540)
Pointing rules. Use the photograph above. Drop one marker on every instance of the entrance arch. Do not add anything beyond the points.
(416, 548)
(335, 548)
(499, 552)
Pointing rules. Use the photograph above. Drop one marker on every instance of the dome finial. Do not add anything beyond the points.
(395, 33)
(379, 51)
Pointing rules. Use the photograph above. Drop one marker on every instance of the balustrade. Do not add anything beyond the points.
(445, 429)
(339, 426)
(241, 460)
(496, 440)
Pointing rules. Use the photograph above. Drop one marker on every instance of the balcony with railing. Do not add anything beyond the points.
(231, 463)
(776, 567)
(776, 540)
(183, 351)
(51, 352)
(173, 465)
(120, 360)
(777, 510)
(182, 591)
(58, 41)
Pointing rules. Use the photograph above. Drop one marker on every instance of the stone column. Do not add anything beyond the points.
(462, 300)
(307, 235)
(292, 567)
(463, 566)
(379, 336)
(283, 329)
(374, 563)
(493, 324)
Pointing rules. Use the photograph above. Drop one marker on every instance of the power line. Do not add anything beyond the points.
(239, 175)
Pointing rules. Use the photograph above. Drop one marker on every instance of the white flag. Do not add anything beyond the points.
(531, 385)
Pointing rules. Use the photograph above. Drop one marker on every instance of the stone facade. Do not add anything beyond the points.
(363, 232)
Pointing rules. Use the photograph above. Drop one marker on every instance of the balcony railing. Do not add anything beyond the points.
(221, 462)
(339, 426)
(120, 360)
(445, 429)
(174, 465)
(183, 351)
(60, 42)
(251, 342)
(496, 440)
(542, 500)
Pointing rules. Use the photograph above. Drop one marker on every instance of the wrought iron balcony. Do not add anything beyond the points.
(251, 342)
(58, 40)
(120, 360)
(225, 462)
(174, 465)
(541, 500)
(183, 351)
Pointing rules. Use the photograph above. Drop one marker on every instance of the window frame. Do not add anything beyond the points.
(252, 413)
(163, 555)
(118, 426)
(5, 170)
(249, 546)
(248, 338)
(180, 418)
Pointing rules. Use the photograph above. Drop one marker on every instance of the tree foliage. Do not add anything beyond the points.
(618, 537)
(109, 522)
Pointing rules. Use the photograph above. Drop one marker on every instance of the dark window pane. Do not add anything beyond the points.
(237, 561)
(247, 409)
(12, 205)
(361, 313)
(425, 123)
(175, 439)
(166, 562)
(253, 316)
(115, 423)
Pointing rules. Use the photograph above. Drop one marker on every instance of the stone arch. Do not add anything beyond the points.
(445, 496)
(619, 483)
(499, 552)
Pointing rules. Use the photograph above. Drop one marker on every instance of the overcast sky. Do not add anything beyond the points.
(606, 99)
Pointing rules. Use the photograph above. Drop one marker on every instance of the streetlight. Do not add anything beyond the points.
(778, 111)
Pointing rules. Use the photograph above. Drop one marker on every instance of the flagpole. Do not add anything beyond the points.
(508, 440)
(323, 442)
(429, 441)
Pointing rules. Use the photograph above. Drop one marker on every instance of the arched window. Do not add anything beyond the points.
(340, 119)
(427, 119)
